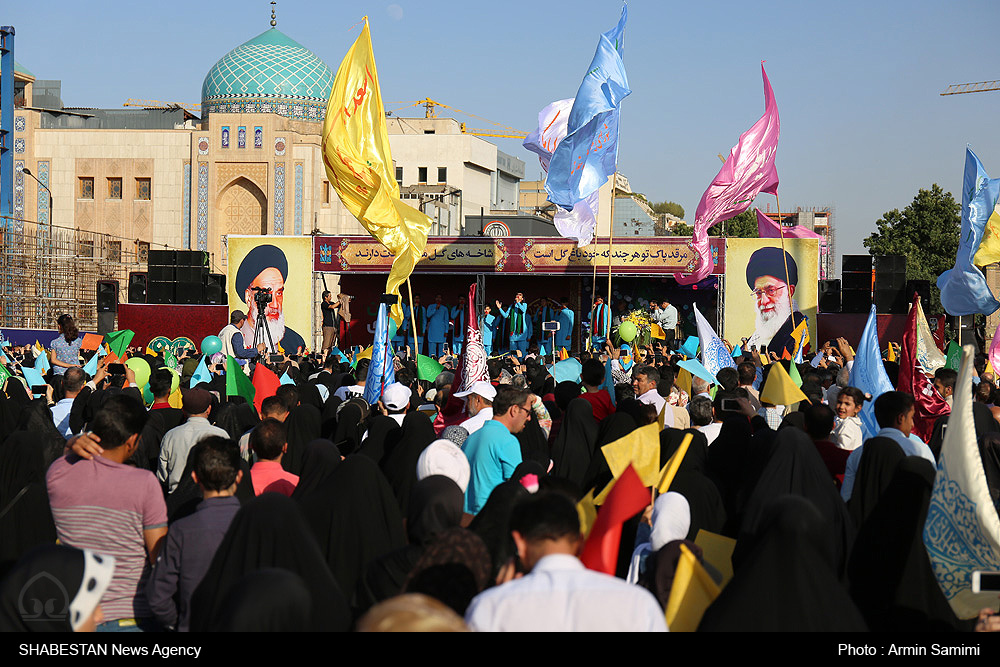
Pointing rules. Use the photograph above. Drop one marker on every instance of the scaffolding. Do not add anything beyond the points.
(48, 270)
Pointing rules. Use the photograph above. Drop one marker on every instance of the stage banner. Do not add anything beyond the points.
(756, 293)
(280, 263)
(514, 255)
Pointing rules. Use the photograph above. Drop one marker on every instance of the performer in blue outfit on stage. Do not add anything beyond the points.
(458, 320)
(600, 322)
(566, 319)
(404, 334)
(519, 323)
(488, 325)
(437, 327)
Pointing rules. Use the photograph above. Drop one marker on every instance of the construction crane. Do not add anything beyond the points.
(978, 87)
(430, 111)
(194, 109)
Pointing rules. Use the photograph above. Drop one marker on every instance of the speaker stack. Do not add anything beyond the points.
(890, 284)
(921, 288)
(829, 296)
(177, 276)
(856, 277)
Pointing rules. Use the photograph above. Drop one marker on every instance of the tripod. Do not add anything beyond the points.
(260, 329)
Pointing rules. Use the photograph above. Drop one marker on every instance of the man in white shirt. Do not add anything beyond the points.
(396, 399)
(357, 389)
(73, 381)
(177, 442)
(479, 404)
(559, 594)
(644, 381)
(666, 317)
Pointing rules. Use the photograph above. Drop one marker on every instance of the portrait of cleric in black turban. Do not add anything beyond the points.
(776, 312)
(267, 266)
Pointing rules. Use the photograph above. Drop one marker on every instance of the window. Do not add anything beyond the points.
(143, 189)
(421, 174)
(442, 174)
(86, 248)
(114, 251)
(87, 187)
(114, 188)
(326, 193)
(399, 176)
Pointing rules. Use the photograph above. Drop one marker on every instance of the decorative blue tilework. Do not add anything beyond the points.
(279, 199)
(186, 209)
(258, 137)
(18, 195)
(298, 197)
(241, 136)
(225, 136)
(19, 145)
(19, 123)
(202, 206)
(43, 194)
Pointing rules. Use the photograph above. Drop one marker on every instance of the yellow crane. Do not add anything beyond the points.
(430, 111)
(194, 109)
(977, 87)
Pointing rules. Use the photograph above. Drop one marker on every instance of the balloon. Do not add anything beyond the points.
(175, 380)
(147, 395)
(140, 367)
(211, 345)
(627, 331)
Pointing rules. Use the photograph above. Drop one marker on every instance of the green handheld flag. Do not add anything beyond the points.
(954, 356)
(118, 341)
(428, 369)
(237, 383)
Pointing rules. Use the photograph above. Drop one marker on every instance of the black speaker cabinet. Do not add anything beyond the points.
(137, 282)
(215, 289)
(161, 292)
(107, 296)
(829, 296)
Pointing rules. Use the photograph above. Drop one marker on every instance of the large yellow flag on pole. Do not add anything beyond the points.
(359, 164)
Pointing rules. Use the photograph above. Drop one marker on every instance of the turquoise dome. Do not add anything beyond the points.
(271, 73)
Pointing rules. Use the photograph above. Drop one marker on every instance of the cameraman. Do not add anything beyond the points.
(330, 320)
(232, 340)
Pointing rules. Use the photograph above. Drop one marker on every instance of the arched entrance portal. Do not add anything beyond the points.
(243, 208)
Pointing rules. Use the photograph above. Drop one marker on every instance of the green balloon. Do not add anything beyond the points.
(627, 332)
(175, 380)
(141, 370)
(211, 345)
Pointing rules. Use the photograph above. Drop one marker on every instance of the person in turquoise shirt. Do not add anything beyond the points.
(458, 332)
(566, 318)
(493, 451)
(436, 325)
(489, 328)
(600, 322)
(519, 323)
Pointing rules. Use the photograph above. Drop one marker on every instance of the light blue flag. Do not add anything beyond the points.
(541, 350)
(695, 367)
(690, 347)
(963, 288)
(868, 374)
(381, 371)
(285, 379)
(714, 355)
(90, 368)
(201, 373)
(101, 352)
(343, 357)
(609, 381)
(32, 377)
(42, 364)
(737, 352)
(566, 370)
(583, 161)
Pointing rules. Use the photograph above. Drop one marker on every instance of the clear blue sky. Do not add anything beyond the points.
(857, 83)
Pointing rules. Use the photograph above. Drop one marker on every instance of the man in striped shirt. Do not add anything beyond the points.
(112, 508)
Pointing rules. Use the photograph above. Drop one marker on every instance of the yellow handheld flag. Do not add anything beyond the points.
(359, 164)
(989, 247)
(587, 510)
(780, 389)
(717, 550)
(656, 331)
(690, 595)
(801, 337)
(641, 448)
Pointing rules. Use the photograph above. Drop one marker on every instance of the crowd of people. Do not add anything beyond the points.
(183, 505)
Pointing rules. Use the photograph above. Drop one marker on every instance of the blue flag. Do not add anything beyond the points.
(201, 373)
(287, 380)
(343, 357)
(33, 378)
(90, 368)
(583, 161)
(714, 355)
(963, 288)
(381, 371)
(567, 370)
(868, 374)
(42, 363)
(696, 368)
(609, 381)
(737, 352)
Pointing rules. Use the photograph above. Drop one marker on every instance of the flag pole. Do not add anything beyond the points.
(593, 298)
(784, 257)
(413, 318)
(611, 243)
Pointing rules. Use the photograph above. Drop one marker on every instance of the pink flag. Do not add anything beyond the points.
(749, 171)
(768, 229)
(994, 354)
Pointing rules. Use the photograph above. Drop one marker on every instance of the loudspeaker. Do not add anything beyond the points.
(105, 323)
(215, 289)
(189, 274)
(190, 292)
(855, 301)
(137, 281)
(921, 287)
(192, 258)
(856, 263)
(829, 296)
(161, 274)
(107, 296)
(890, 264)
(891, 301)
(160, 292)
(858, 281)
(162, 258)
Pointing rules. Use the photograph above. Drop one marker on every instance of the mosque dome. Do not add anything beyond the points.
(271, 73)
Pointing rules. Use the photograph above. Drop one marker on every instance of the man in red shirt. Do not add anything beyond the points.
(592, 375)
(269, 443)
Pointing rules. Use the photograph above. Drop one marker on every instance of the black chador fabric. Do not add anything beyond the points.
(787, 581)
(9, 408)
(147, 454)
(328, 423)
(611, 428)
(319, 461)
(309, 395)
(534, 444)
(891, 577)
(269, 532)
(492, 523)
(355, 519)
(693, 482)
(303, 426)
(400, 461)
(435, 505)
(879, 458)
(989, 452)
(982, 417)
(382, 430)
(235, 418)
(350, 428)
(574, 446)
(24, 501)
(270, 600)
(36, 418)
(796, 468)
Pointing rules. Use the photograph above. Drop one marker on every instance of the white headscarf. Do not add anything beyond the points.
(443, 457)
(671, 521)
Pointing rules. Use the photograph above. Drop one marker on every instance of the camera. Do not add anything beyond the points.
(262, 296)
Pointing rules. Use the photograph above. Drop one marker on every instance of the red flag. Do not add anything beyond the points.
(471, 367)
(266, 384)
(929, 403)
(627, 498)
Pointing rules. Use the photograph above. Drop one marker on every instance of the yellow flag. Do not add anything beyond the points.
(564, 355)
(717, 550)
(367, 354)
(38, 346)
(683, 380)
(587, 510)
(690, 595)
(890, 354)
(801, 337)
(661, 419)
(360, 167)
(656, 331)
(780, 389)
(989, 247)
(641, 448)
(666, 476)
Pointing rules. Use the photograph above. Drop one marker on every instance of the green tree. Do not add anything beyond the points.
(926, 232)
(742, 226)
(682, 230)
(673, 208)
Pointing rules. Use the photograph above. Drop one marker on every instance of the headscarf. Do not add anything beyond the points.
(534, 444)
(442, 457)
(670, 521)
(268, 600)
(879, 458)
(788, 581)
(575, 445)
(403, 449)
(269, 532)
(24, 501)
(611, 428)
(350, 416)
(36, 417)
(320, 460)
(492, 523)
(303, 426)
(54, 588)
(693, 481)
(989, 452)
(454, 568)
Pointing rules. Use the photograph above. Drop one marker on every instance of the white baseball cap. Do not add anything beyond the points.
(484, 389)
(396, 396)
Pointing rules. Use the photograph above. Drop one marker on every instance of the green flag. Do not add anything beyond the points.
(4, 374)
(793, 372)
(118, 341)
(428, 369)
(237, 383)
(954, 355)
(170, 360)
